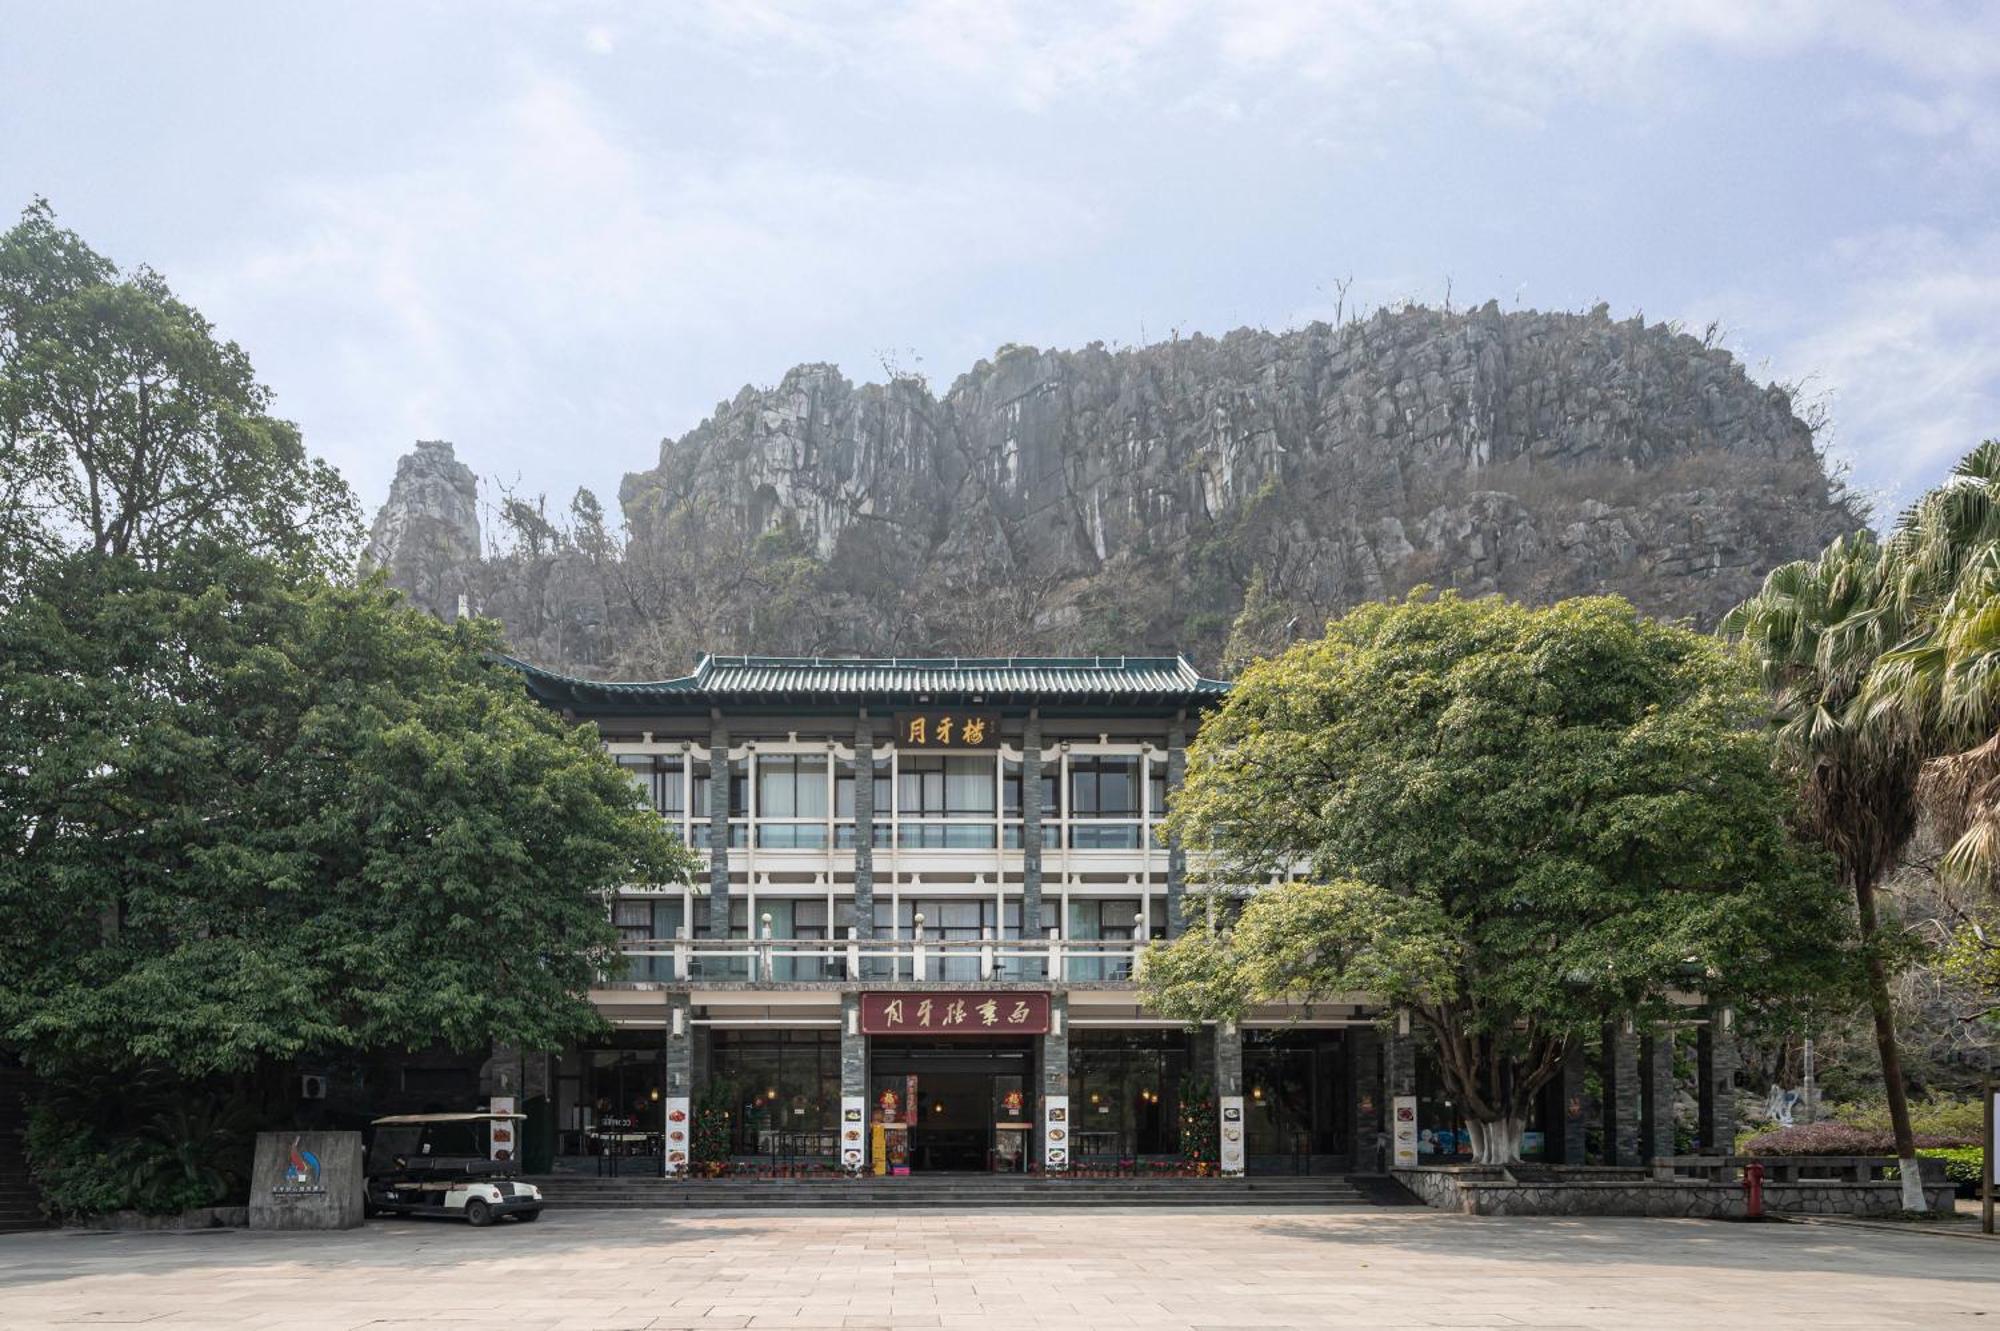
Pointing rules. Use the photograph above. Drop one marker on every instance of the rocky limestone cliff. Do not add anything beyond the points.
(427, 533)
(1209, 495)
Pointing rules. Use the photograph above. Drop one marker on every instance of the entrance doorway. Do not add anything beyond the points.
(961, 1107)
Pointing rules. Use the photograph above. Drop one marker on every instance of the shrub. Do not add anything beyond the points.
(142, 1141)
(1962, 1165)
(1941, 1117)
(1837, 1139)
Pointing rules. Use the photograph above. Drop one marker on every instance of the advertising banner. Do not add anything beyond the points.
(679, 1137)
(1055, 1133)
(1404, 1118)
(853, 1132)
(1232, 1134)
(502, 1145)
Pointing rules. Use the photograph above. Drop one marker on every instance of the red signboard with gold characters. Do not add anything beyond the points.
(955, 1014)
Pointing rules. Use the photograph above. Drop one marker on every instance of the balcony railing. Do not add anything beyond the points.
(918, 959)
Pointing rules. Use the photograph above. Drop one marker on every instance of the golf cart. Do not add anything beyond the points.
(446, 1164)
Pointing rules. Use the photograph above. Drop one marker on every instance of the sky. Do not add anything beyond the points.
(556, 232)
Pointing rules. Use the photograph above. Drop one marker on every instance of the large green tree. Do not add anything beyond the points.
(1515, 824)
(128, 428)
(245, 814)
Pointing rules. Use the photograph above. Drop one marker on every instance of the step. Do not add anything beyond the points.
(633, 1193)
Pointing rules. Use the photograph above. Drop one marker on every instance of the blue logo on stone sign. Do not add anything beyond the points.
(301, 1172)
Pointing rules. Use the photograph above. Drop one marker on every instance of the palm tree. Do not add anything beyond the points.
(1943, 682)
(1816, 629)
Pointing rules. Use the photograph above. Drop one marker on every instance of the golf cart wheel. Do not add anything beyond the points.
(526, 1216)
(478, 1211)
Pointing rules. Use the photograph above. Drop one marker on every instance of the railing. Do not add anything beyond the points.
(1791, 1168)
(920, 959)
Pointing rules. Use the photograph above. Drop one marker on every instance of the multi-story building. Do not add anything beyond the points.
(927, 886)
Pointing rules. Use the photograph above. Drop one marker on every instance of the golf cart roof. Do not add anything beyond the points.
(398, 1119)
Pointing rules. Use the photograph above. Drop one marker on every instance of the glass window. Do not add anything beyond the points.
(932, 786)
(1125, 1093)
(659, 777)
(1156, 796)
(944, 836)
(843, 790)
(1104, 787)
(783, 1088)
(789, 836)
(791, 786)
(1011, 783)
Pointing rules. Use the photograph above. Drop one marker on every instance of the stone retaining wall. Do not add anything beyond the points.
(205, 1217)
(1487, 1191)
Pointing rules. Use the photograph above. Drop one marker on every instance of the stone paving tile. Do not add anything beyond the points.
(1021, 1270)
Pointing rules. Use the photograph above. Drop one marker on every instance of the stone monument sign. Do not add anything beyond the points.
(307, 1180)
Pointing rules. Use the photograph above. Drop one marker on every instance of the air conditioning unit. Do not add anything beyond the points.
(312, 1086)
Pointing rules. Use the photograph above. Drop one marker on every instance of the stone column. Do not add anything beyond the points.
(1656, 1062)
(1401, 1063)
(1715, 1092)
(853, 1048)
(680, 1048)
(1031, 831)
(1366, 1098)
(1627, 1094)
(1575, 1122)
(1228, 1084)
(1055, 1075)
(1621, 1094)
(1176, 854)
(698, 1062)
(864, 829)
(500, 1074)
(855, 1135)
(718, 827)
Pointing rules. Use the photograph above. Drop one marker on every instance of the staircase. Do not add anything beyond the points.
(20, 1204)
(965, 1191)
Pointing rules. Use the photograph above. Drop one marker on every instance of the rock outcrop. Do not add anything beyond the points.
(1209, 495)
(427, 534)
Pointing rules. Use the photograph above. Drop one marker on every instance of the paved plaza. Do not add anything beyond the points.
(1136, 1268)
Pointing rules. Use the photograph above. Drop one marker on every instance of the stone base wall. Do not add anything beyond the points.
(206, 1217)
(1477, 1191)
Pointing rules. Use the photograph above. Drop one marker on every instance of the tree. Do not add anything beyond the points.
(1941, 683)
(245, 815)
(128, 429)
(1815, 630)
(1515, 824)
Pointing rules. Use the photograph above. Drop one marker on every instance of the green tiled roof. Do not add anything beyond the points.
(992, 679)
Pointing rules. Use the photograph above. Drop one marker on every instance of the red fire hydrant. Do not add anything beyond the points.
(1753, 1191)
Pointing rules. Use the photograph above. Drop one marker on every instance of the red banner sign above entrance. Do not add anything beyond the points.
(955, 1014)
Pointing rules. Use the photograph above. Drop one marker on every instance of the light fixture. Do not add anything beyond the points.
(1257, 1093)
(771, 1094)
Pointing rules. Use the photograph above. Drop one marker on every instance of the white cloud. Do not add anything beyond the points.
(1895, 331)
(599, 40)
(1334, 59)
(465, 286)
